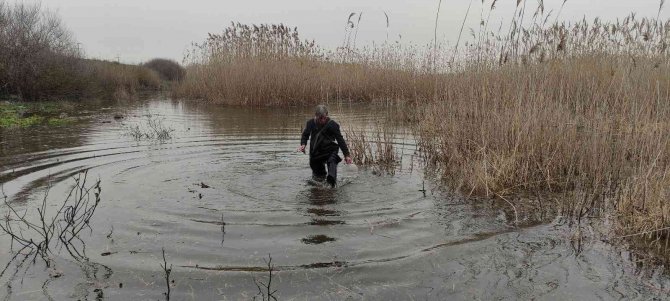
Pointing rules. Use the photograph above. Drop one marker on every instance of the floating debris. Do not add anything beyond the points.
(317, 239)
(54, 273)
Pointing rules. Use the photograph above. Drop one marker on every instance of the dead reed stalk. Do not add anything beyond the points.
(166, 273)
(373, 148)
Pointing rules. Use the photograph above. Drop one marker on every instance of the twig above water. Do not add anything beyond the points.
(62, 229)
(166, 272)
(265, 289)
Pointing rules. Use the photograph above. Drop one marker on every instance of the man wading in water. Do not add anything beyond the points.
(322, 147)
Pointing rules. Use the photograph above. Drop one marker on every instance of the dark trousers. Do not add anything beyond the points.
(319, 165)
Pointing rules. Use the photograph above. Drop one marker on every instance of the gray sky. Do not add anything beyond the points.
(138, 30)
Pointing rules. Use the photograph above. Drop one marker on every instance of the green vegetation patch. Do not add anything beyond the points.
(60, 121)
(31, 114)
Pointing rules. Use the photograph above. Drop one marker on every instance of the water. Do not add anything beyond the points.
(228, 191)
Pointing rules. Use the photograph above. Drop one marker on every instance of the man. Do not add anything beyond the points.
(322, 133)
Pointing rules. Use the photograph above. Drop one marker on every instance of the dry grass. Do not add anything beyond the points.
(577, 111)
(270, 65)
(593, 127)
(119, 81)
(373, 148)
(294, 81)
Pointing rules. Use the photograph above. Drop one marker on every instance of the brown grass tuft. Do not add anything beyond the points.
(373, 148)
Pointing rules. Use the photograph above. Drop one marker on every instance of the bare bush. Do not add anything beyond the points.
(40, 235)
(119, 81)
(38, 55)
(167, 69)
(41, 60)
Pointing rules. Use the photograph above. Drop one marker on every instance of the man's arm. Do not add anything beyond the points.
(305, 133)
(340, 140)
(305, 136)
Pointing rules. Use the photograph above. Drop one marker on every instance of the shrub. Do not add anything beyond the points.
(38, 55)
(167, 69)
(40, 60)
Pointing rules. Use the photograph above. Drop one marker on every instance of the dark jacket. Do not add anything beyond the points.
(322, 143)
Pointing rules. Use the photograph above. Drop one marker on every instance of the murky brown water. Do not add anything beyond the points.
(374, 238)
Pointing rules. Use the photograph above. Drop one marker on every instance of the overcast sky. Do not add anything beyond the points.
(138, 30)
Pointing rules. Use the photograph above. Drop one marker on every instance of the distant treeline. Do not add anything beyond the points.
(41, 60)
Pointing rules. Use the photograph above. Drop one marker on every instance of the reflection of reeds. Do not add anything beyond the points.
(373, 148)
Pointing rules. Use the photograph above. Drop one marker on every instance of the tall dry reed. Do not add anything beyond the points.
(270, 65)
(580, 112)
(373, 147)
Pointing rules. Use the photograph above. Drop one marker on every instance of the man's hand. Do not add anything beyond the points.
(348, 160)
(301, 149)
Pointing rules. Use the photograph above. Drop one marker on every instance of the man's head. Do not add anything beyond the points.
(321, 114)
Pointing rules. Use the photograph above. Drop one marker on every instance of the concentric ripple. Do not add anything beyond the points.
(229, 190)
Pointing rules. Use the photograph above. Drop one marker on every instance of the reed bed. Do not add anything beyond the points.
(575, 112)
(592, 128)
(270, 65)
